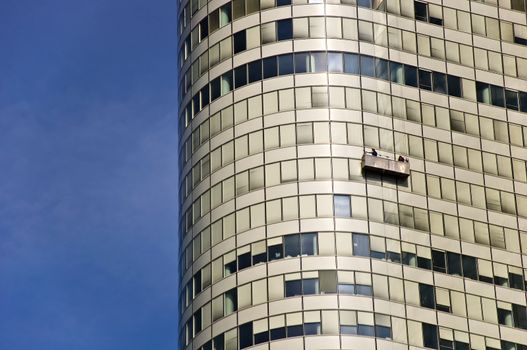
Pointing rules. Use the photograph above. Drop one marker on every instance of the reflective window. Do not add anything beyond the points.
(302, 62)
(361, 245)
(367, 66)
(335, 64)
(351, 63)
(285, 64)
(342, 205)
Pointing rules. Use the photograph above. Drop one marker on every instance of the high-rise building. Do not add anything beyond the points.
(353, 174)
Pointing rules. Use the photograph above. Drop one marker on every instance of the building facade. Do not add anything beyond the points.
(353, 174)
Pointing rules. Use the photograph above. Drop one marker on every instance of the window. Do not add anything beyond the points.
(410, 75)
(300, 244)
(430, 336)
(425, 79)
(239, 41)
(284, 29)
(438, 261)
(270, 68)
(342, 205)
(285, 64)
(245, 332)
(351, 63)
(240, 76)
(361, 245)
(420, 11)
(301, 287)
(255, 71)
(367, 66)
(426, 295)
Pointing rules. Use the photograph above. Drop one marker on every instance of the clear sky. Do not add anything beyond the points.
(88, 174)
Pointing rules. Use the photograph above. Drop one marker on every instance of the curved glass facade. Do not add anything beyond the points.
(353, 174)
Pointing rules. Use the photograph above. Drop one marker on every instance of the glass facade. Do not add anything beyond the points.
(288, 241)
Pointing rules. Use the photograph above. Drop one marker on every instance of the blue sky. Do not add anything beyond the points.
(88, 174)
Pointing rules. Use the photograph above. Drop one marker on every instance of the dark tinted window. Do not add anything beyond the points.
(426, 295)
(410, 75)
(461, 346)
(516, 281)
(284, 29)
(519, 314)
(197, 321)
(239, 41)
(430, 336)
(424, 263)
(255, 71)
(496, 93)
(425, 79)
(454, 263)
(362, 289)
(511, 98)
(215, 91)
(293, 288)
(454, 85)
(420, 11)
(240, 76)
(245, 332)
(439, 80)
(283, 2)
(219, 342)
(383, 332)
(204, 96)
(365, 330)
(301, 62)
(277, 333)
(310, 286)
(244, 261)
(203, 28)
(470, 269)
(285, 64)
(230, 268)
(522, 96)
(438, 261)
(262, 337)
(409, 259)
(292, 245)
(259, 258)
(311, 328)
(295, 331)
(269, 67)
(275, 252)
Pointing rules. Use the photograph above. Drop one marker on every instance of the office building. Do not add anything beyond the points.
(353, 174)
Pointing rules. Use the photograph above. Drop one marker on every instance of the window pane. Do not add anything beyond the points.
(342, 206)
